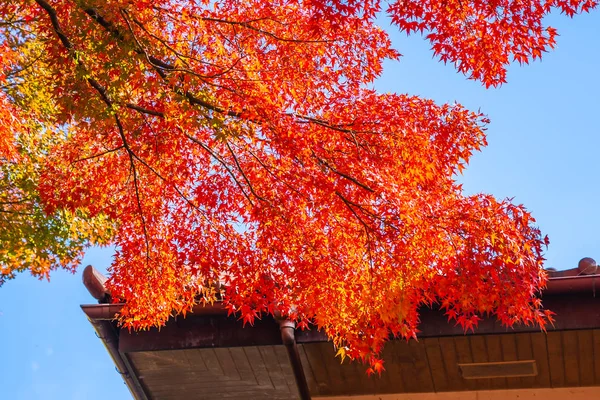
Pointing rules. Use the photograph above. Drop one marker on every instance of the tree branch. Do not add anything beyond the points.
(106, 99)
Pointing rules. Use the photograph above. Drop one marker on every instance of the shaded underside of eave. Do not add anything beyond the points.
(431, 365)
(250, 372)
(568, 356)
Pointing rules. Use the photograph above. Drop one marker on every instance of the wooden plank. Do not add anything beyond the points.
(494, 350)
(254, 395)
(455, 380)
(571, 356)
(437, 368)
(356, 378)
(143, 361)
(525, 352)
(509, 353)
(174, 381)
(392, 380)
(194, 359)
(315, 360)
(420, 366)
(159, 359)
(242, 364)
(349, 377)
(167, 378)
(555, 359)
(464, 356)
(337, 381)
(404, 359)
(227, 363)
(585, 341)
(258, 367)
(211, 361)
(308, 371)
(540, 354)
(287, 372)
(479, 352)
(596, 349)
(193, 391)
(411, 376)
(273, 367)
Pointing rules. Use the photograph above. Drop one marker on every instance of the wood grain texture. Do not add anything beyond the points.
(223, 373)
(585, 348)
(435, 359)
(596, 351)
(430, 365)
(555, 359)
(540, 354)
(494, 349)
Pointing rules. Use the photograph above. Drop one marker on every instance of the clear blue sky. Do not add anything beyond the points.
(543, 150)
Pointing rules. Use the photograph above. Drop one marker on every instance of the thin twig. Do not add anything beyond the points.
(223, 163)
(98, 154)
(244, 175)
(343, 175)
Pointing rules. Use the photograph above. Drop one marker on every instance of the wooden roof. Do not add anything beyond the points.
(561, 359)
(211, 356)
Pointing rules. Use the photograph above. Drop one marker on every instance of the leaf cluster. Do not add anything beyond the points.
(234, 150)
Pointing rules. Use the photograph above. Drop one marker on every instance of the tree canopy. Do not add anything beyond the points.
(235, 150)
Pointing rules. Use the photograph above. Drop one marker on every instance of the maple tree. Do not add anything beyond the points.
(238, 142)
(30, 239)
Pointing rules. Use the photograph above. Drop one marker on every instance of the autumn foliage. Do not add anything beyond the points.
(234, 150)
